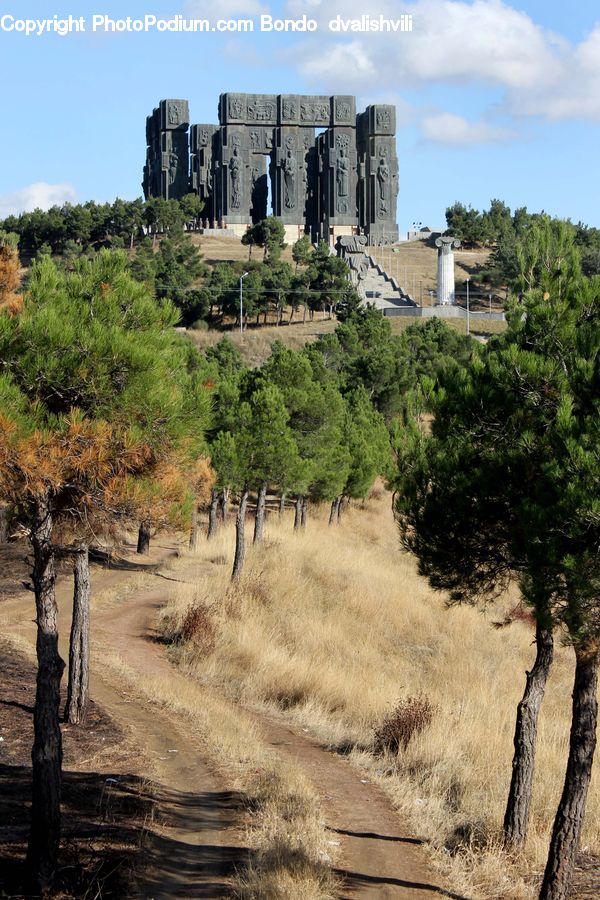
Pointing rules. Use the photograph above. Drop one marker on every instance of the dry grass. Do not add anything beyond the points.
(286, 832)
(334, 627)
(255, 344)
(230, 249)
(414, 264)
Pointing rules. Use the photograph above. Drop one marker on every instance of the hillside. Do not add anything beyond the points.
(414, 263)
(331, 629)
(255, 343)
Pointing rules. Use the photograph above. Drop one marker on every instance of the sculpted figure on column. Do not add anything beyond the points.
(383, 176)
(234, 170)
(290, 166)
(343, 173)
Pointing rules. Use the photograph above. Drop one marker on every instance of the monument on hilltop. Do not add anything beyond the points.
(332, 172)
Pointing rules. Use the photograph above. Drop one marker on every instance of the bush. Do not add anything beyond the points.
(198, 629)
(199, 325)
(410, 717)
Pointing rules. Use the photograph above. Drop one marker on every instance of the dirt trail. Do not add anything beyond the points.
(193, 843)
(199, 841)
(378, 859)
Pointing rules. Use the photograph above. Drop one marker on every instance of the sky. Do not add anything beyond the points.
(494, 99)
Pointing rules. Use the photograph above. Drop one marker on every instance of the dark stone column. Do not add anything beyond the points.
(378, 168)
(202, 138)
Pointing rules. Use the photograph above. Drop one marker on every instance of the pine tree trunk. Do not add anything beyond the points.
(240, 540)
(143, 544)
(334, 513)
(304, 315)
(571, 809)
(259, 519)
(298, 513)
(304, 512)
(194, 531)
(79, 646)
(225, 505)
(281, 505)
(3, 523)
(46, 755)
(516, 818)
(215, 498)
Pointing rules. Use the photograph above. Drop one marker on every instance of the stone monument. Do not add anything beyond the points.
(332, 172)
(445, 269)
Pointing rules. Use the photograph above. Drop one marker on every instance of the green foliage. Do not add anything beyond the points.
(507, 485)
(171, 271)
(95, 340)
(226, 357)
(112, 404)
(368, 442)
(328, 278)
(97, 225)
(269, 234)
(302, 251)
(394, 371)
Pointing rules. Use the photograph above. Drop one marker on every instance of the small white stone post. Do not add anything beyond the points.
(445, 269)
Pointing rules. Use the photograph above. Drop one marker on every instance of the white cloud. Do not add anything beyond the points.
(38, 195)
(447, 128)
(351, 60)
(576, 95)
(452, 40)
(475, 44)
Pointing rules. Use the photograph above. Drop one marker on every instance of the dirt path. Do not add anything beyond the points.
(198, 840)
(194, 841)
(378, 859)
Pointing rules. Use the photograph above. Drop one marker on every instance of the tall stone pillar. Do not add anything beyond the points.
(378, 173)
(166, 173)
(202, 138)
(445, 269)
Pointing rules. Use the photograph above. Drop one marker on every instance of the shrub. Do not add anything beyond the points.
(198, 629)
(410, 717)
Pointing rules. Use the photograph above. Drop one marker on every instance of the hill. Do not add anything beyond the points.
(332, 630)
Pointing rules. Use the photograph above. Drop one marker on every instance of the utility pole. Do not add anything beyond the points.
(468, 323)
(242, 303)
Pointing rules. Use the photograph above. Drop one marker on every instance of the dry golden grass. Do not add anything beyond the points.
(255, 344)
(414, 264)
(333, 627)
(287, 833)
(230, 249)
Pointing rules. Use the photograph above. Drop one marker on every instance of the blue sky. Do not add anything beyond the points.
(495, 99)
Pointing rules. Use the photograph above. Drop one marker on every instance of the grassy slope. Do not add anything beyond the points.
(332, 627)
(255, 344)
(415, 259)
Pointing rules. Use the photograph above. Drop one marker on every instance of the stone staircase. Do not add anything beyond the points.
(383, 291)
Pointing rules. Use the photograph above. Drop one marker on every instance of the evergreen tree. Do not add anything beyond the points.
(506, 489)
(302, 251)
(98, 402)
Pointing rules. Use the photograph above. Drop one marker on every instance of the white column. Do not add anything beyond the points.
(445, 269)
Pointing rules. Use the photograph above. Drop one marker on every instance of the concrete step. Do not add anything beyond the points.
(379, 288)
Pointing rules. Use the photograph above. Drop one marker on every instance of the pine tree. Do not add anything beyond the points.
(98, 404)
(507, 488)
